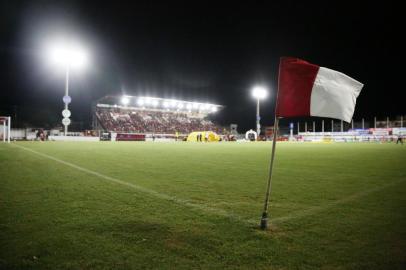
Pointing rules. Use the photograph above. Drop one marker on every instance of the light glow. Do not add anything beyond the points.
(140, 102)
(168, 104)
(259, 92)
(173, 103)
(125, 100)
(67, 54)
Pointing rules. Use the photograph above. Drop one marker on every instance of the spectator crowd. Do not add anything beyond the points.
(159, 122)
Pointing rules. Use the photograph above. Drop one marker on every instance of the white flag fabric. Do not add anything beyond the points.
(306, 89)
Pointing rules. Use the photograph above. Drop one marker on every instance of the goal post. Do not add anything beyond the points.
(5, 122)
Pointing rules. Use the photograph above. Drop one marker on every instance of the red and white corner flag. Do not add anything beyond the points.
(306, 89)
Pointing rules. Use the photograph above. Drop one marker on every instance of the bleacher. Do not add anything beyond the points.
(130, 120)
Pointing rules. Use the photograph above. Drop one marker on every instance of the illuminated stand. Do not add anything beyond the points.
(6, 123)
(139, 104)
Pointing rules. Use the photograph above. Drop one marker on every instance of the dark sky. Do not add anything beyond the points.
(203, 52)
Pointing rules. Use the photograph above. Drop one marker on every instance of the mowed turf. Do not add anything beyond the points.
(196, 206)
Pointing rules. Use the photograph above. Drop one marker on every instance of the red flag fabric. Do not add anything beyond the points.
(306, 89)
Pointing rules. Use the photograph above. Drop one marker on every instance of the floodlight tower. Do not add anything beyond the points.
(67, 55)
(259, 92)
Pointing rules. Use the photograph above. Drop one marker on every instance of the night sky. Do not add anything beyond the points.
(206, 52)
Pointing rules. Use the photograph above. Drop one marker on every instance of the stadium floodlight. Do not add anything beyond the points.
(165, 104)
(180, 106)
(68, 55)
(189, 106)
(214, 109)
(259, 92)
(154, 102)
(125, 100)
(196, 106)
(140, 102)
(173, 103)
(148, 101)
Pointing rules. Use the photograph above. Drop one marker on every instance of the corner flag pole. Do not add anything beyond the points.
(264, 219)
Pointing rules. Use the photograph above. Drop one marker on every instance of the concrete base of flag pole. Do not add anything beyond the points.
(264, 221)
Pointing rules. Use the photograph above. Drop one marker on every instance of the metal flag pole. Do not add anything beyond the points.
(264, 219)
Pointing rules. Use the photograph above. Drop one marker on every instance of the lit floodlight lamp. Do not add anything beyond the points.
(67, 55)
(214, 109)
(140, 102)
(125, 100)
(189, 106)
(195, 106)
(148, 101)
(207, 107)
(173, 103)
(259, 92)
(201, 107)
(154, 102)
(180, 105)
(165, 104)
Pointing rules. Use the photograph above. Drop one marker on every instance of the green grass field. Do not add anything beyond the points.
(197, 206)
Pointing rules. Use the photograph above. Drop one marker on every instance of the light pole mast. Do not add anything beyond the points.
(68, 55)
(258, 119)
(259, 93)
(66, 95)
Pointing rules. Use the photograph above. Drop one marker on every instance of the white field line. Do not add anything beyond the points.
(316, 209)
(154, 193)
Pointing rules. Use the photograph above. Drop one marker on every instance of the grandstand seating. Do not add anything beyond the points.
(149, 121)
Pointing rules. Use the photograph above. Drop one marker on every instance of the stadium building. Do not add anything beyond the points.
(139, 118)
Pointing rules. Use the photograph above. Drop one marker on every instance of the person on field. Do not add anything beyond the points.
(400, 139)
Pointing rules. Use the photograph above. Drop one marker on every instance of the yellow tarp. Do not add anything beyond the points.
(211, 136)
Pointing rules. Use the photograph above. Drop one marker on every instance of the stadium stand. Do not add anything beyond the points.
(132, 120)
